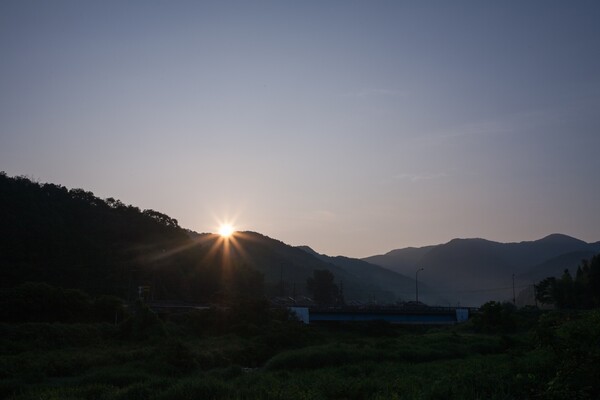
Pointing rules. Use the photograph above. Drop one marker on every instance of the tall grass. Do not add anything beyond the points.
(308, 363)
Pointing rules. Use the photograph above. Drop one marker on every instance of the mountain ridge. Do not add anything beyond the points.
(73, 239)
(377, 275)
(462, 266)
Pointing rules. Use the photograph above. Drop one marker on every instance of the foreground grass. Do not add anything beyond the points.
(279, 361)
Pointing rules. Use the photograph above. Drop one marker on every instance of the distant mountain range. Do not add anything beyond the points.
(286, 268)
(73, 239)
(400, 286)
(477, 270)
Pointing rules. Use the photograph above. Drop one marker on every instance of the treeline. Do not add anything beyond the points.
(581, 292)
(74, 239)
(40, 302)
(323, 288)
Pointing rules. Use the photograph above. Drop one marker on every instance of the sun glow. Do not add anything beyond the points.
(226, 230)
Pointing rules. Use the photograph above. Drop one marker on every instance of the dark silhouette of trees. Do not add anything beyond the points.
(75, 240)
(40, 302)
(322, 287)
(544, 291)
(494, 317)
(566, 292)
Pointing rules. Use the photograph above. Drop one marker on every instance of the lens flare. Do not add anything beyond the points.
(226, 230)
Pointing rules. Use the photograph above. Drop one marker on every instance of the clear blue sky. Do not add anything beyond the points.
(353, 127)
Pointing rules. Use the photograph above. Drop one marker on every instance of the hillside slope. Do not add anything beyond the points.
(73, 239)
(477, 270)
(378, 276)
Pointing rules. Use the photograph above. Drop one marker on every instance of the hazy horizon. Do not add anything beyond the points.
(352, 127)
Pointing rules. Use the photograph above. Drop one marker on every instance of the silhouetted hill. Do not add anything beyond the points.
(376, 276)
(477, 270)
(526, 254)
(556, 266)
(73, 239)
(309, 250)
(287, 268)
(400, 259)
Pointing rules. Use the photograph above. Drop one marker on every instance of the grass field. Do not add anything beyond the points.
(286, 360)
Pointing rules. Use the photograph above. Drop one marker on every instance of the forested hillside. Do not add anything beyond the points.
(73, 239)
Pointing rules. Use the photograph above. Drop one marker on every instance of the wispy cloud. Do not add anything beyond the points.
(420, 176)
(508, 124)
(376, 92)
(478, 129)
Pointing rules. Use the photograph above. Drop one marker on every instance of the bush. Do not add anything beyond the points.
(142, 324)
(178, 355)
(313, 357)
(29, 336)
(68, 393)
(578, 347)
(494, 317)
(115, 375)
(40, 302)
(108, 309)
(198, 387)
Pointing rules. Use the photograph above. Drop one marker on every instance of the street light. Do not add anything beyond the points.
(417, 282)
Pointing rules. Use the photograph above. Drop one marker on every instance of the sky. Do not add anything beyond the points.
(352, 127)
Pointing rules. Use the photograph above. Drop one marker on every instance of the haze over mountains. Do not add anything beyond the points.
(477, 270)
(286, 268)
(392, 282)
(74, 239)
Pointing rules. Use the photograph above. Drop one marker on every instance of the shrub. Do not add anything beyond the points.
(30, 336)
(577, 345)
(40, 302)
(68, 393)
(116, 375)
(178, 355)
(312, 357)
(494, 317)
(143, 324)
(108, 309)
(198, 387)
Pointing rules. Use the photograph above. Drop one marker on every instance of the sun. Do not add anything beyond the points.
(226, 230)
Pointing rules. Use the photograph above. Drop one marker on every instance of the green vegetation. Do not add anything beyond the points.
(41, 302)
(322, 287)
(78, 335)
(224, 353)
(566, 292)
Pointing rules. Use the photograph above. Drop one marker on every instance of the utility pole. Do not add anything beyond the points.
(514, 297)
(417, 283)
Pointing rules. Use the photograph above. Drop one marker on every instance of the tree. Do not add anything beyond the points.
(322, 287)
(544, 291)
(563, 291)
(495, 317)
(566, 292)
(593, 280)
